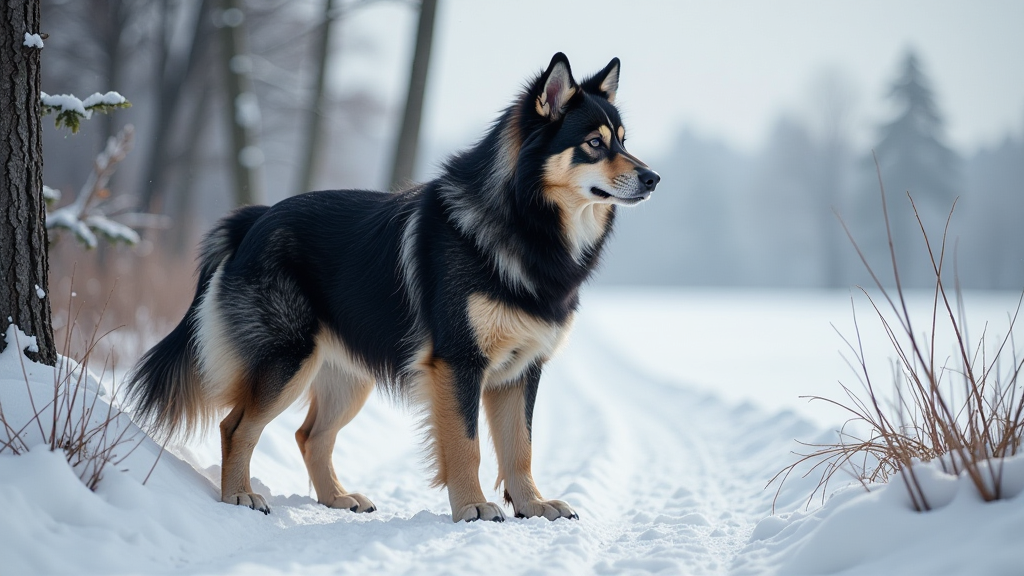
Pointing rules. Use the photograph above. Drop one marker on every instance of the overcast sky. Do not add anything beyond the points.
(724, 69)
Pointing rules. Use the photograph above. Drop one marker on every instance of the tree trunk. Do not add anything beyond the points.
(115, 18)
(314, 121)
(24, 266)
(173, 72)
(186, 226)
(409, 136)
(242, 107)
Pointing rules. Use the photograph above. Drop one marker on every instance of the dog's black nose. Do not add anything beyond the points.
(649, 178)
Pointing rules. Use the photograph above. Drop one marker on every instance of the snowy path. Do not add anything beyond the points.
(664, 479)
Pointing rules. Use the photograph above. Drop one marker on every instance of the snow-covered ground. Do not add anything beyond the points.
(661, 423)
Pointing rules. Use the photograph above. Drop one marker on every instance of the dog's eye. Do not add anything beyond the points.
(595, 142)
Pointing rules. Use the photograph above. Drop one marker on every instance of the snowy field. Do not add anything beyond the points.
(661, 423)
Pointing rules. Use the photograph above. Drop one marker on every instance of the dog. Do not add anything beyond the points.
(452, 293)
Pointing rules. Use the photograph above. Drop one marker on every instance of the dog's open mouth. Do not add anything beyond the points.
(628, 201)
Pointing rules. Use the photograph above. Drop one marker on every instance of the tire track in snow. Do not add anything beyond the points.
(684, 479)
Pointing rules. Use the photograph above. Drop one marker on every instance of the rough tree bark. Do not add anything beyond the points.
(24, 266)
(409, 135)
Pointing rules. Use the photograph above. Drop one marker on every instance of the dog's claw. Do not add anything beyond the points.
(249, 500)
(550, 509)
(352, 502)
(485, 511)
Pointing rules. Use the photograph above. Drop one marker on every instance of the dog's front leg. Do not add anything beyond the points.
(454, 411)
(510, 415)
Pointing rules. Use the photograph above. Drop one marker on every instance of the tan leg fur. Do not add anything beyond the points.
(336, 397)
(506, 415)
(241, 430)
(457, 455)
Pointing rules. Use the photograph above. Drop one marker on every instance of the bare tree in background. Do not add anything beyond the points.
(185, 192)
(309, 155)
(113, 17)
(24, 266)
(243, 109)
(409, 135)
(175, 72)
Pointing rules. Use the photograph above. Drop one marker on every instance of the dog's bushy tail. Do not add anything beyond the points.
(165, 389)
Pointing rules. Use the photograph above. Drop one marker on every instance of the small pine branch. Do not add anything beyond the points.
(70, 111)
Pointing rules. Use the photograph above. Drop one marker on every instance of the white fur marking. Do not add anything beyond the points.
(407, 260)
(219, 364)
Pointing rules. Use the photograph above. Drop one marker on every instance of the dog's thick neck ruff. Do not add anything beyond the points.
(538, 192)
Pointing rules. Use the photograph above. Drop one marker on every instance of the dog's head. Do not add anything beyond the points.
(586, 161)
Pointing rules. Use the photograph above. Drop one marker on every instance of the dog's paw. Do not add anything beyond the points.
(550, 509)
(354, 502)
(250, 500)
(485, 511)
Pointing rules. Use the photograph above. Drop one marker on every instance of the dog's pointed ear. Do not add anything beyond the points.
(605, 83)
(555, 88)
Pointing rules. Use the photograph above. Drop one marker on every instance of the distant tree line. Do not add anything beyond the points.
(231, 105)
(231, 102)
(722, 217)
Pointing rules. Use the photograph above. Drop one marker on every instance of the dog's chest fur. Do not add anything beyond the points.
(510, 338)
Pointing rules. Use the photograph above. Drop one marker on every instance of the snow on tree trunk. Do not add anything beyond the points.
(23, 258)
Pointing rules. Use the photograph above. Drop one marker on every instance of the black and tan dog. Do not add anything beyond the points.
(451, 293)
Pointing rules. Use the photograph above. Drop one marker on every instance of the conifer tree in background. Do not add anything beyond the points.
(913, 158)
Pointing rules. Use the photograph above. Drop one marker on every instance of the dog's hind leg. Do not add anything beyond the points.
(454, 409)
(336, 396)
(258, 400)
(237, 441)
(510, 416)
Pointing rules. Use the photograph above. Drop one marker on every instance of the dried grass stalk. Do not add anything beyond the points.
(965, 411)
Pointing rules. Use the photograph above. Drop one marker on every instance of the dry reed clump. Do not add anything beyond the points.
(964, 411)
(78, 418)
